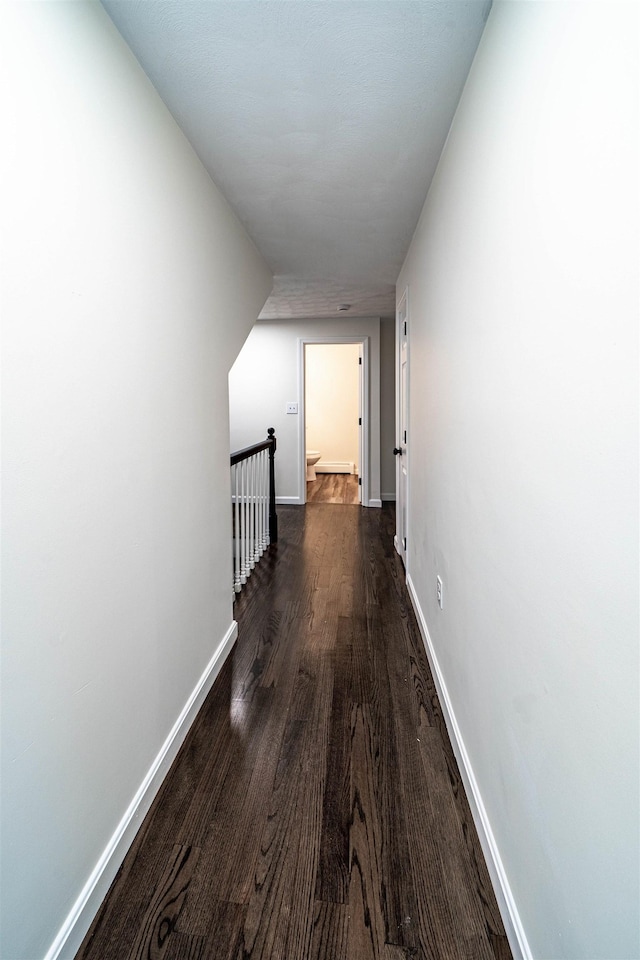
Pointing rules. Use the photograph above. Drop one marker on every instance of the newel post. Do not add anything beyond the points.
(273, 519)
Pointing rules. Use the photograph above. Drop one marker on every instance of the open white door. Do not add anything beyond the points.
(401, 449)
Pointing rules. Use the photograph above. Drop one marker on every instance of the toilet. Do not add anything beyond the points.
(312, 458)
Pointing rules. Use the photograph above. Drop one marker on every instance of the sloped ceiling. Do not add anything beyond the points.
(322, 122)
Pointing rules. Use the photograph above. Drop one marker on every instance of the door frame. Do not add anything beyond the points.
(400, 534)
(365, 392)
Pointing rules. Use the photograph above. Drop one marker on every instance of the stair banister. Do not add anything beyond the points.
(253, 494)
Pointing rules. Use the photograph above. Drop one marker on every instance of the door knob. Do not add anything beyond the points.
(397, 451)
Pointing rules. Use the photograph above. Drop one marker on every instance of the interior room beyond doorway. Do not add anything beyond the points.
(332, 422)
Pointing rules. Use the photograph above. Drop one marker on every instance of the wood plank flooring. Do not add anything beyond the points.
(333, 488)
(315, 810)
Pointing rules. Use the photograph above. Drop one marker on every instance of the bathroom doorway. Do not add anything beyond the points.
(334, 420)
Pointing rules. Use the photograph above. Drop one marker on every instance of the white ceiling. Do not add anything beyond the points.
(321, 121)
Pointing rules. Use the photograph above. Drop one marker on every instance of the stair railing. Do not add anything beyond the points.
(253, 499)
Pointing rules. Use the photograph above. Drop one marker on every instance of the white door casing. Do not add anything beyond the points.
(364, 392)
(361, 393)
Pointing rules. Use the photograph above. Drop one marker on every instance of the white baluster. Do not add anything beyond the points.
(261, 502)
(252, 517)
(256, 555)
(265, 499)
(267, 534)
(247, 545)
(256, 528)
(236, 530)
(243, 524)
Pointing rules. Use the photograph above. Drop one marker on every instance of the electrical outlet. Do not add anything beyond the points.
(292, 408)
(439, 591)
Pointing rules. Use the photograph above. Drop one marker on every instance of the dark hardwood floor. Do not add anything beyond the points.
(333, 488)
(315, 811)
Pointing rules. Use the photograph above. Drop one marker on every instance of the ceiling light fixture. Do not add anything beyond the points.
(344, 306)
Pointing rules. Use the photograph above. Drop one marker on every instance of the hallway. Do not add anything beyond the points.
(315, 809)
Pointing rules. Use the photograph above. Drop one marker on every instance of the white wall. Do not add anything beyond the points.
(523, 297)
(332, 385)
(265, 377)
(122, 266)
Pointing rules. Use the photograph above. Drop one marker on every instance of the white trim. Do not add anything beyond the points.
(375, 503)
(295, 500)
(362, 339)
(508, 909)
(335, 466)
(388, 498)
(75, 927)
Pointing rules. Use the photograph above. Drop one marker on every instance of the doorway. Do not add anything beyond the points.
(333, 375)
(402, 419)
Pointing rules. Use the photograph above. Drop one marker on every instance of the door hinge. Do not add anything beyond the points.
(405, 328)
(359, 481)
(404, 543)
(405, 436)
(359, 421)
(360, 360)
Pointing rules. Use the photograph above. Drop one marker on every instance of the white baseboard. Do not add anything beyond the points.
(75, 927)
(506, 903)
(335, 466)
(374, 503)
(288, 500)
(388, 497)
